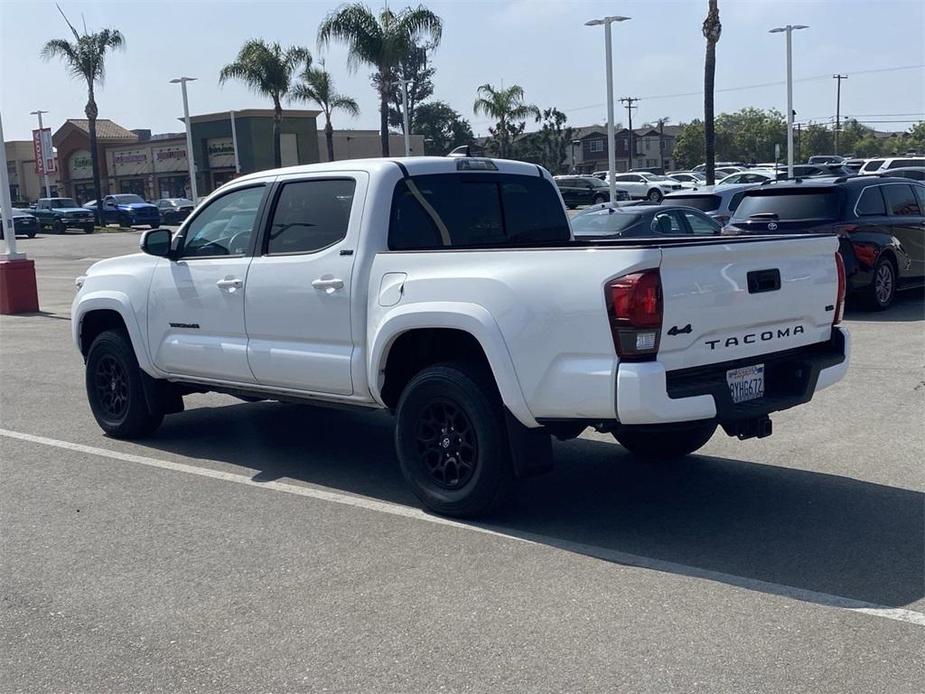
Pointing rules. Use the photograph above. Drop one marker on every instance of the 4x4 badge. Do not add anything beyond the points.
(675, 330)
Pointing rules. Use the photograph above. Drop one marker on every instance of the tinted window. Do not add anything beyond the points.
(700, 223)
(870, 202)
(900, 200)
(872, 165)
(310, 215)
(706, 203)
(602, 222)
(790, 204)
(897, 163)
(668, 223)
(225, 225)
(465, 210)
(61, 202)
(735, 200)
(127, 199)
(920, 194)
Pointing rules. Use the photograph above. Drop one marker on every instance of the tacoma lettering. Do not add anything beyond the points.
(751, 338)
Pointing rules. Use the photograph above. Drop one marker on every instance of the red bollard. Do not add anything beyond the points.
(18, 293)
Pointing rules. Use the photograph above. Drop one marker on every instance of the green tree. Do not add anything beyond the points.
(689, 144)
(750, 134)
(85, 59)
(442, 127)
(267, 69)
(549, 146)
(508, 109)
(418, 73)
(815, 138)
(916, 137)
(317, 86)
(711, 32)
(382, 42)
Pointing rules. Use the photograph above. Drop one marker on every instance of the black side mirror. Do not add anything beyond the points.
(156, 242)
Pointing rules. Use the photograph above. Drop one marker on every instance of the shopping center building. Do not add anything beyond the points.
(156, 166)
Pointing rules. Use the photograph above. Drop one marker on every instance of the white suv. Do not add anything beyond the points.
(875, 166)
(644, 185)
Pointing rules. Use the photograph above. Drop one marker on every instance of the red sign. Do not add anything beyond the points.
(45, 162)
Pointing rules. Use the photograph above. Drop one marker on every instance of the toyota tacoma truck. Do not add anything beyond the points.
(451, 292)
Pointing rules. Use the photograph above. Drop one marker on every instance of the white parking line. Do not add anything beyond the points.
(825, 599)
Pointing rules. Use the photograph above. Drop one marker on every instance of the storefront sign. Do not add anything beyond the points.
(79, 165)
(44, 153)
(126, 162)
(221, 152)
(170, 159)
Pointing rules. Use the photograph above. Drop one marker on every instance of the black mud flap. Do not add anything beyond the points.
(531, 449)
(161, 396)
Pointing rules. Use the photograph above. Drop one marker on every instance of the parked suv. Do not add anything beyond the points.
(585, 190)
(880, 165)
(718, 202)
(174, 210)
(881, 222)
(61, 214)
(646, 185)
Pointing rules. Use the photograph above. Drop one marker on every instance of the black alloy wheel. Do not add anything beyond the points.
(883, 285)
(111, 383)
(447, 444)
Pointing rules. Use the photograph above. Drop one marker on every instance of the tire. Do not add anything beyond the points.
(124, 222)
(114, 388)
(665, 443)
(58, 227)
(882, 288)
(446, 406)
(655, 195)
(31, 234)
(570, 205)
(599, 200)
(88, 228)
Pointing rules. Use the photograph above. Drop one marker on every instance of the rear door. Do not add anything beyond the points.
(908, 225)
(747, 298)
(795, 209)
(299, 286)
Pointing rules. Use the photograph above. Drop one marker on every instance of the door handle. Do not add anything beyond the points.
(328, 284)
(229, 283)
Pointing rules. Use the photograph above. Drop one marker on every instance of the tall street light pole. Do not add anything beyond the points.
(838, 108)
(44, 163)
(789, 29)
(190, 159)
(234, 144)
(608, 53)
(404, 116)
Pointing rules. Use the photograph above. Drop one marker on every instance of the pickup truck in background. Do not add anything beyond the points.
(451, 292)
(61, 214)
(127, 210)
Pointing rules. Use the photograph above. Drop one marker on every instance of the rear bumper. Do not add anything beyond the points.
(647, 394)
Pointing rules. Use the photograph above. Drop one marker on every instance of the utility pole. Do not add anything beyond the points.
(661, 143)
(629, 101)
(404, 115)
(191, 160)
(44, 163)
(838, 108)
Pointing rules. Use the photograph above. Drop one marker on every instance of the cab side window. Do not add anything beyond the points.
(310, 215)
(224, 226)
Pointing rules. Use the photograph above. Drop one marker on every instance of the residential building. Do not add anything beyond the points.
(363, 144)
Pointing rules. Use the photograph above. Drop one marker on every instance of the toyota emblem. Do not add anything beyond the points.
(772, 226)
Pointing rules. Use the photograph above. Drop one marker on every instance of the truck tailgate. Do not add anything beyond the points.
(739, 300)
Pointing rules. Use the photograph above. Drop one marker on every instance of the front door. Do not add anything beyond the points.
(907, 220)
(196, 301)
(300, 284)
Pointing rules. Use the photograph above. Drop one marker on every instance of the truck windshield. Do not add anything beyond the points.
(476, 210)
(127, 199)
(62, 202)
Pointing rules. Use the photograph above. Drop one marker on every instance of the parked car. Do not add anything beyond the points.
(127, 210)
(716, 202)
(826, 159)
(749, 176)
(814, 171)
(881, 221)
(723, 171)
(430, 287)
(688, 179)
(585, 190)
(174, 210)
(738, 164)
(914, 172)
(854, 165)
(614, 221)
(884, 164)
(25, 223)
(61, 214)
(645, 185)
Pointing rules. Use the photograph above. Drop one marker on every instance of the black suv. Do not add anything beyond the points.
(585, 190)
(880, 221)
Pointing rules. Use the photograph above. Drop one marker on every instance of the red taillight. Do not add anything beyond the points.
(842, 288)
(634, 305)
(866, 253)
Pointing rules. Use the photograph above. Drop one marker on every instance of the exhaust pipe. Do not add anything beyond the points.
(752, 428)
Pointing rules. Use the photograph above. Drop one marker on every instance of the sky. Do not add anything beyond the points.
(541, 45)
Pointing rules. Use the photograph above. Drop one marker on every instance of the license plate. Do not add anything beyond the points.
(746, 383)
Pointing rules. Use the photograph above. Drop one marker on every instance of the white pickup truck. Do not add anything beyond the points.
(450, 291)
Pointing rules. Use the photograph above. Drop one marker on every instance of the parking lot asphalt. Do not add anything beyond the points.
(270, 547)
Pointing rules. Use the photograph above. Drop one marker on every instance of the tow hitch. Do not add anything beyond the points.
(755, 427)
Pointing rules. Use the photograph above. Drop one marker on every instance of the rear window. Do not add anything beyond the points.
(475, 211)
(870, 203)
(704, 203)
(602, 222)
(872, 165)
(790, 204)
(898, 163)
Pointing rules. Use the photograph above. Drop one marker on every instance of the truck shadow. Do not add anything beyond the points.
(703, 516)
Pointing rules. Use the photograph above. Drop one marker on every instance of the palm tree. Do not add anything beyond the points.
(383, 42)
(267, 69)
(505, 106)
(711, 31)
(85, 59)
(317, 86)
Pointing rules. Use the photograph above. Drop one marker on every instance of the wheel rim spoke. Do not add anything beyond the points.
(111, 383)
(446, 444)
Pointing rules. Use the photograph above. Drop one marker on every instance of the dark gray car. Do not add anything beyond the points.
(630, 221)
